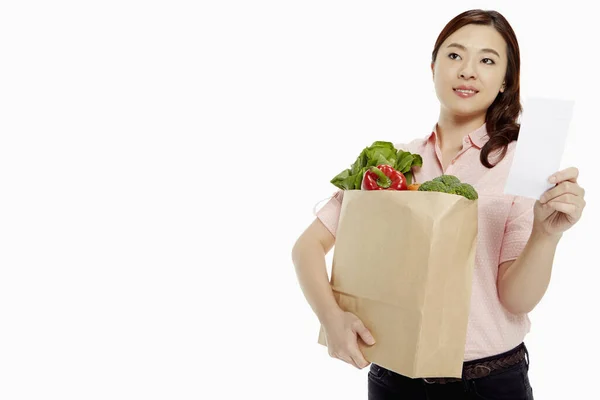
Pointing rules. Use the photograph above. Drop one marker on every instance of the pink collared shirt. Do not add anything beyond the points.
(505, 223)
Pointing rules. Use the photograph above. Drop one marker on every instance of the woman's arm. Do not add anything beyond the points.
(341, 328)
(308, 256)
(523, 282)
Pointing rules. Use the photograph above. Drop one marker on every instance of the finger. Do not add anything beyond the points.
(359, 360)
(363, 332)
(345, 357)
(569, 174)
(568, 198)
(560, 189)
(569, 209)
(348, 359)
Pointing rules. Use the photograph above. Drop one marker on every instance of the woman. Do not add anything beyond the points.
(475, 69)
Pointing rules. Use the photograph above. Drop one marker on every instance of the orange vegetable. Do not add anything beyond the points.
(414, 186)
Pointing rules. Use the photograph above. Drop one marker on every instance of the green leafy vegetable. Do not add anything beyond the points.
(379, 153)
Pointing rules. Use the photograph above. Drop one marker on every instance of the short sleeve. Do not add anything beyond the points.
(518, 228)
(329, 214)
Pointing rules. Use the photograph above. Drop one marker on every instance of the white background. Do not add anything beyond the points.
(159, 159)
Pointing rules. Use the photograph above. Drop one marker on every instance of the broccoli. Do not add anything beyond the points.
(448, 180)
(449, 184)
(433, 186)
(464, 189)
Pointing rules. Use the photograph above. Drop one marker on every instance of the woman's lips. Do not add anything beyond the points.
(464, 93)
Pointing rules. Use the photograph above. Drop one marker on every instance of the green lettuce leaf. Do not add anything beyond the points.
(344, 180)
(379, 153)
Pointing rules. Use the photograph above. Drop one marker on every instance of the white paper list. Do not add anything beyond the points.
(540, 147)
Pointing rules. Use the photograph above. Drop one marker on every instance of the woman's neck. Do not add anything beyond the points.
(452, 129)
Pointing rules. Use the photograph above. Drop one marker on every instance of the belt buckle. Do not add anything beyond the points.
(481, 370)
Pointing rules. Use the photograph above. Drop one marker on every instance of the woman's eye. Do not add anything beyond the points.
(451, 55)
(485, 60)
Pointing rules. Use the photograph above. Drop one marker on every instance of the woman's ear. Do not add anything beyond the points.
(503, 87)
(433, 70)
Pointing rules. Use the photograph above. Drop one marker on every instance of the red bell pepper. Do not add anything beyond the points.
(384, 177)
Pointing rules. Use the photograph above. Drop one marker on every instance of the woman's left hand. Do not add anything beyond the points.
(560, 207)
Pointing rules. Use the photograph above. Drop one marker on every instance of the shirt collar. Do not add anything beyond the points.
(478, 137)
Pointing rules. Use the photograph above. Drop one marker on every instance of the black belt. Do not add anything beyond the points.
(487, 366)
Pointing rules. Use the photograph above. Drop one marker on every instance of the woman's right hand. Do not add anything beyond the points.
(342, 330)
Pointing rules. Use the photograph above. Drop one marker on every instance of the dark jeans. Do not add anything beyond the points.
(509, 384)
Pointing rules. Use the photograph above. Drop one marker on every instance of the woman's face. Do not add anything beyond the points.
(469, 70)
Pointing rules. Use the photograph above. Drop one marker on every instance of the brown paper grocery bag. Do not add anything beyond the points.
(403, 263)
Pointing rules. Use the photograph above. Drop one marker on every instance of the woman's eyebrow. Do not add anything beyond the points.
(460, 46)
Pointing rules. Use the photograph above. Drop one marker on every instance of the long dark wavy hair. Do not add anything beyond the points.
(501, 117)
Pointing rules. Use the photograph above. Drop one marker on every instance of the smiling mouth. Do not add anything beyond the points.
(466, 91)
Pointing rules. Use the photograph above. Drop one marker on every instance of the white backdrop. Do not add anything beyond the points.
(159, 159)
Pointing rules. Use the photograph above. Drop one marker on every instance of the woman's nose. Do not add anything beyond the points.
(467, 72)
